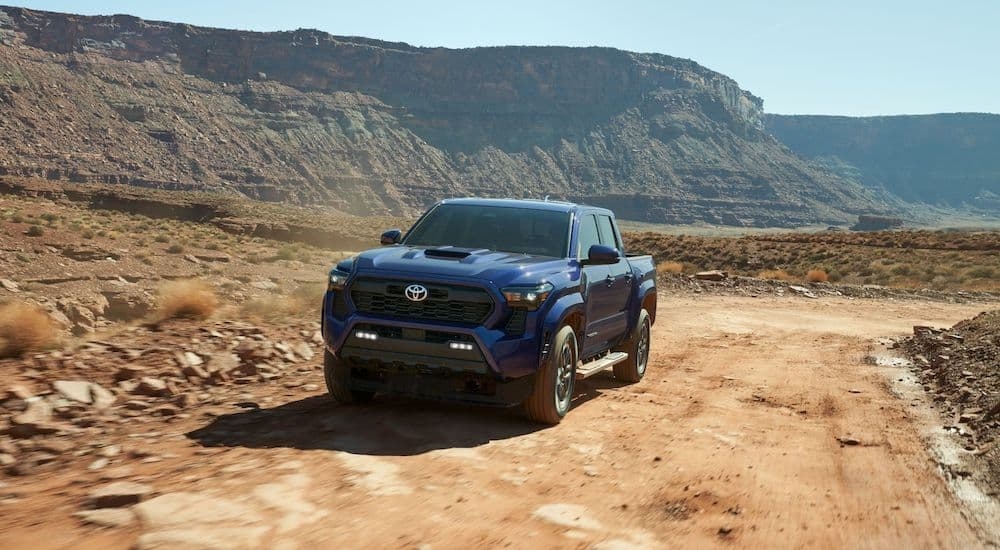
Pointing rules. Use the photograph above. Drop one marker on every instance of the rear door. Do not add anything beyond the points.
(599, 299)
(619, 282)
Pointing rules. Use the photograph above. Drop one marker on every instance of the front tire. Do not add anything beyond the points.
(553, 392)
(337, 372)
(632, 369)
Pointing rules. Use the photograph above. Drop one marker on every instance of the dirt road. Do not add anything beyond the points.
(759, 424)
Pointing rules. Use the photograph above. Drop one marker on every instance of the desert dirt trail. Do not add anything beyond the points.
(734, 438)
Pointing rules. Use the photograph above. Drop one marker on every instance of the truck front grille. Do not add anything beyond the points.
(447, 303)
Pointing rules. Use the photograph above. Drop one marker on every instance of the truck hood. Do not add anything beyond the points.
(499, 268)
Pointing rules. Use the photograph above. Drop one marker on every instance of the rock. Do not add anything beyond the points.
(128, 372)
(126, 305)
(185, 400)
(98, 464)
(152, 387)
(165, 410)
(84, 392)
(304, 351)
(192, 359)
(192, 259)
(311, 387)
(110, 451)
(713, 275)
(82, 320)
(7, 459)
(55, 446)
(9, 286)
(136, 405)
(119, 494)
(802, 290)
(107, 517)
(223, 362)
(33, 463)
(847, 440)
(35, 420)
(195, 371)
(19, 391)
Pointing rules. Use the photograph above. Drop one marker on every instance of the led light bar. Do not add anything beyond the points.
(365, 335)
(464, 346)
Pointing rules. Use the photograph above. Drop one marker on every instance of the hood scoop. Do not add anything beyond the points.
(448, 253)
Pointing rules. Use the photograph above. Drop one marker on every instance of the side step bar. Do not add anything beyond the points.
(587, 370)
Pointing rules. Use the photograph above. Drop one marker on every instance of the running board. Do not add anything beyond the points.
(590, 369)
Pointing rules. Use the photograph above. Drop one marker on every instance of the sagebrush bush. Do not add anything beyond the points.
(670, 267)
(24, 328)
(817, 276)
(188, 298)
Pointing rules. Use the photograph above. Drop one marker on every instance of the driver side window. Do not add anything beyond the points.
(588, 236)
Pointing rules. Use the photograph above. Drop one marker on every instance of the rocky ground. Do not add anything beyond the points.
(960, 367)
(759, 424)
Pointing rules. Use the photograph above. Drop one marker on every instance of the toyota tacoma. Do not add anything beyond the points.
(493, 301)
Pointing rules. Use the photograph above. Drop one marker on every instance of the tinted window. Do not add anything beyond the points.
(501, 228)
(608, 233)
(589, 235)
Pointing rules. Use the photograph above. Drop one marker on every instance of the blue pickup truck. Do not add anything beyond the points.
(492, 301)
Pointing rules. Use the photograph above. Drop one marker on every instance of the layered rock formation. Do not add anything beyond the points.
(377, 127)
(948, 159)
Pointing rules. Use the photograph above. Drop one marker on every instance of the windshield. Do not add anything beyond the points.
(507, 229)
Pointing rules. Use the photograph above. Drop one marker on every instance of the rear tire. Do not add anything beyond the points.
(553, 392)
(337, 372)
(632, 369)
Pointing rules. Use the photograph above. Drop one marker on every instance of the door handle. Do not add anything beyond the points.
(628, 277)
(611, 280)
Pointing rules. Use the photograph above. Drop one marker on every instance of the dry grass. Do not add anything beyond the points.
(670, 267)
(306, 299)
(188, 299)
(817, 276)
(24, 328)
(942, 260)
(775, 275)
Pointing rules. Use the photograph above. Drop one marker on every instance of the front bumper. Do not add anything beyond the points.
(435, 359)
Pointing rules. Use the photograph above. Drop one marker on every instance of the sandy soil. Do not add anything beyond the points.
(759, 424)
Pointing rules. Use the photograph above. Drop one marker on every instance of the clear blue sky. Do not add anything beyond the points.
(844, 57)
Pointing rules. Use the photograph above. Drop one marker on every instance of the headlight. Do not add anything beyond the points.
(337, 280)
(526, 297)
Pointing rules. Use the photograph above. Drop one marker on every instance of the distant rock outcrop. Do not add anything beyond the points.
(377, 127)
(945, 159)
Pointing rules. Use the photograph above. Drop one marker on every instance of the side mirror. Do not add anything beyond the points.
(392, 236)
(602, 255)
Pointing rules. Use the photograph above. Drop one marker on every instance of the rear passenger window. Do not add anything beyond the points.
(608, 233)
(589, 236)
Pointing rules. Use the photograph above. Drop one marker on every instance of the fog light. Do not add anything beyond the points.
(365, 335)
(464, 346)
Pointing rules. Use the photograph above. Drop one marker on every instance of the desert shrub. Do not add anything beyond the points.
(24, 328)
(775, 275)
(35, 231)
(17, 218)
(213, 246)
(817, 276)
(161, 238)
(188, 298)
(670, 267)
(175, 249)
(305, 299)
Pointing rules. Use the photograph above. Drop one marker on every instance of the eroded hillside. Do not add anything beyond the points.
(375, 127)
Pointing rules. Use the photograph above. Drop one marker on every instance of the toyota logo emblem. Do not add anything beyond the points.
(416, 293)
